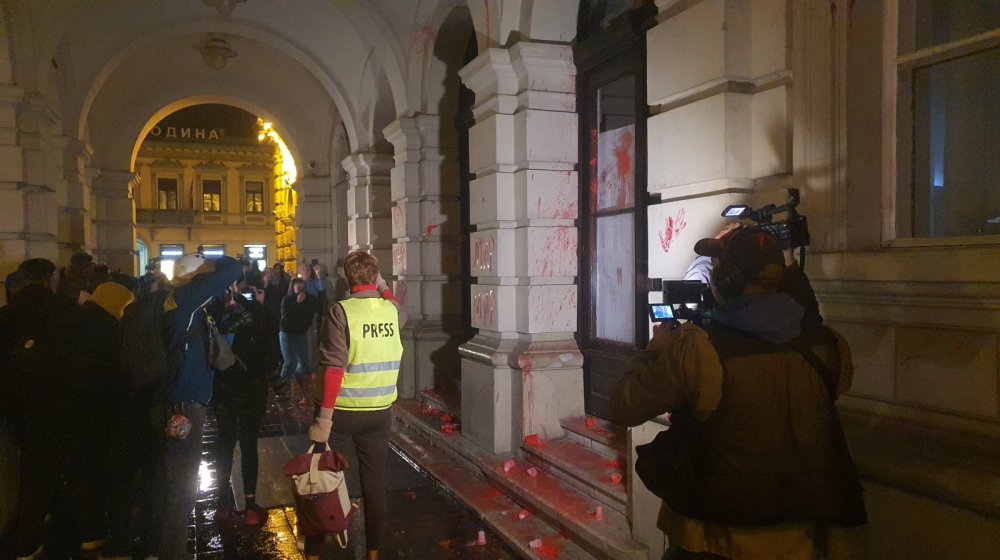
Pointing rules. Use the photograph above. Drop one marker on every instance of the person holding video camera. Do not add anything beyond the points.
(760, 468)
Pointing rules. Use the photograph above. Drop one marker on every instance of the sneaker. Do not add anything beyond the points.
(256, 516)
(36, 554)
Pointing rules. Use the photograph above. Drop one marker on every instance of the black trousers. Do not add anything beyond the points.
(238, 424)
(369, 433)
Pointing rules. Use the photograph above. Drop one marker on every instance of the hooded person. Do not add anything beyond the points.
(752, 391)
(105, 391)
(187, 391)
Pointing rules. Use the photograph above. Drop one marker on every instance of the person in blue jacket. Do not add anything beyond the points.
(185, 395)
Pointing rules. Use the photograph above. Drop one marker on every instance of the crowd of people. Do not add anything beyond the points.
(106, 380)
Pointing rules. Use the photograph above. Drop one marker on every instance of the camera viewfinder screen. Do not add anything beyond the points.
(733, 211)
(660, 312)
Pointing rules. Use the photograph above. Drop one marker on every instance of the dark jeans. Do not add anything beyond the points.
(369, 433)
(177, 485)
(242, 424)
(295, 351)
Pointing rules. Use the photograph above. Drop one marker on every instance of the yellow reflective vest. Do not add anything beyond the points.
(373, 354)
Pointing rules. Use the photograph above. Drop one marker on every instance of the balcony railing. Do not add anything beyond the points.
(165, 217)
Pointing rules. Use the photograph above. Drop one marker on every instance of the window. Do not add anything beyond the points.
(168, 254)
(166, 193)
(211, 195)
(947, 68)
(254, 196)
(213, 251)
(612, 209)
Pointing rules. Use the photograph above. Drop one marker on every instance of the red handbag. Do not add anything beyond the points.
(321, 501)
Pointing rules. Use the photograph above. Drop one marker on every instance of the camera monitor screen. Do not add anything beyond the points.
(249, 297)
(660, 312)
(734, 211)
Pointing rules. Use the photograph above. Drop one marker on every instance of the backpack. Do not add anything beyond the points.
(144, 352)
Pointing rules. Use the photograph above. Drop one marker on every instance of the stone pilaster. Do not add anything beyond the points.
(369, 221)
(114, 219)
(74, 220)
(315, 230)
(27, 206)
(523, 372)
(426, 224)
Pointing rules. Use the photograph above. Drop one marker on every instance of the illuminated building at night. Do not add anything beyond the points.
(523, 170)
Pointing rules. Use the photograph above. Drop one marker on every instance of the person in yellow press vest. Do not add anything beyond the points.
(360, 352)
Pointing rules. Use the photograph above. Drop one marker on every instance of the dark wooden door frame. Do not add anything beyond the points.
(615, 52)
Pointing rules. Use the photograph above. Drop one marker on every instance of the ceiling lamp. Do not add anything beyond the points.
(215, 51)
(224, 7)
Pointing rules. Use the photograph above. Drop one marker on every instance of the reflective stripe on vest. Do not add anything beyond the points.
(373, 354)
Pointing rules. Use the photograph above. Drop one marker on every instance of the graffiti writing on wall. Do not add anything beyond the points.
(672, 227)
(398, 258)
(398, 226)
(483, 251)
(484, 309)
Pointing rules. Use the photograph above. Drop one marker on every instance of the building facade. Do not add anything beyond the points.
(525, 170)
(198, 187)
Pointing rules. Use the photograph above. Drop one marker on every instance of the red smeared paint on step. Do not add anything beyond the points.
(533, 441)
(590, 422)
(549, 548)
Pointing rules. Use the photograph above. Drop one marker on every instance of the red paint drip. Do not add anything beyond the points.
(429, 230)
(590, 422)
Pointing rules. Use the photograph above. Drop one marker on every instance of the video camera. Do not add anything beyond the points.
(791, 233)
(678, 298)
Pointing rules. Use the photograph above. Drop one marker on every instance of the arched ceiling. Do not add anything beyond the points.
(110, 68)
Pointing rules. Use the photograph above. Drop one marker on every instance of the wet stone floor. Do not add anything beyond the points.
(422, 521)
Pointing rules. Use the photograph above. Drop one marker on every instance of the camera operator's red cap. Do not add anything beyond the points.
(755, 252)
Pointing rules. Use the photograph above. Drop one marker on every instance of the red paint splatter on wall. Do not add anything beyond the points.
(617, 168)
(429, 230)
(673, 226)
(422, 39)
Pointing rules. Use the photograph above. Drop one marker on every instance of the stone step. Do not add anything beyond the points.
(561, 505)
(598, 434)
(449, 403)
(579, 465)
(498, 511)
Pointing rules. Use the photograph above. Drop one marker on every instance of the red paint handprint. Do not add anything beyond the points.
(673, 227)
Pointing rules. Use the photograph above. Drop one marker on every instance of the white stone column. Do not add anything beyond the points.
(369, 222)
(27, 205)
(315, 231)
(74, 219)
(426, 224)
(114, 219)
(523, 372)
